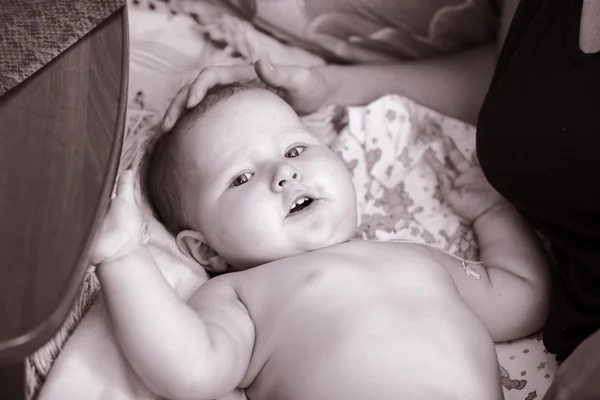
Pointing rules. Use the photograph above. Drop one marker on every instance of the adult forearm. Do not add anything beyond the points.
(454, 85)
(161, 336)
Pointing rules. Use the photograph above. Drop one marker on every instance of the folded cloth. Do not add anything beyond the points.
(33, 32)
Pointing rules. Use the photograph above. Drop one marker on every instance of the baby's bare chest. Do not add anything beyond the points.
(343, 277)
(325, 307)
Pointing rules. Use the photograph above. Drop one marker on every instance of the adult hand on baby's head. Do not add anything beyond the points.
(464, 186)
(121, 231)
(305, 89)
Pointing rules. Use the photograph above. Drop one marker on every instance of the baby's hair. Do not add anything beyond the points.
(161, 173)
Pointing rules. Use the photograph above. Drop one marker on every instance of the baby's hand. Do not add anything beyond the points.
(465, 188)
(121, 231)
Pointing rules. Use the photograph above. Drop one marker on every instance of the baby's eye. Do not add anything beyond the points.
(295, 152)
(241, 179)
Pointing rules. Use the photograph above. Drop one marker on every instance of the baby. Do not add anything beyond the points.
(298, 310)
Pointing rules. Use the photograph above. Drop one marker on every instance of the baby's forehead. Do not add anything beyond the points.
(252, 119)
(232, 121)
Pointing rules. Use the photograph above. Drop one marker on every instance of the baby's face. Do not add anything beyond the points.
(259, 186)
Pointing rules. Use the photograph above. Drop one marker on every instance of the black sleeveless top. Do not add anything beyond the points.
(538, 141)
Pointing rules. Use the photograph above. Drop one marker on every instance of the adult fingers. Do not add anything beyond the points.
(288, 77)
(212, 76)
(175, 109)
(190, 96)
(460, 163)
(349, 51)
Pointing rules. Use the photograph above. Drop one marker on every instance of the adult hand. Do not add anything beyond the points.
(303, 88)
(350, 52)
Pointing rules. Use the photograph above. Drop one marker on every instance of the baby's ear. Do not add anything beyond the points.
(194, 245)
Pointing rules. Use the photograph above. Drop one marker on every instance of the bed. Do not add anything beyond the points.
(382, 144)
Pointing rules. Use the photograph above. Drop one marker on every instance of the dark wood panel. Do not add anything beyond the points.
(12, 381)
(61, 133)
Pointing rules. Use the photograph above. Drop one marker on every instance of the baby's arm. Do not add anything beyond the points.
(511, 294)
(180, 351)
(194, 351)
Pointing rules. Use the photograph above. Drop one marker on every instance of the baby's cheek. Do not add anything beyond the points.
(246, 222)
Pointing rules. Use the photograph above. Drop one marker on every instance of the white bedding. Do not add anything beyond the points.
(382, 146)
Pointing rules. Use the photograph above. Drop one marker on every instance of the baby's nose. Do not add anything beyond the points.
(285, 174)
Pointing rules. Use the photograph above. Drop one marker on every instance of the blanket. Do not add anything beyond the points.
(382, 145)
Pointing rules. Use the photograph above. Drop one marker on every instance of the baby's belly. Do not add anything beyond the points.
(381, 349)
(341, 325)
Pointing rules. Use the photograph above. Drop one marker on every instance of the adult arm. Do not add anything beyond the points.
(454, 85)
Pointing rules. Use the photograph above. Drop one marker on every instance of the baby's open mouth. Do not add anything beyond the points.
(300, 204)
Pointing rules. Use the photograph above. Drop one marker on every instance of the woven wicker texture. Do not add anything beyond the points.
(33, 32)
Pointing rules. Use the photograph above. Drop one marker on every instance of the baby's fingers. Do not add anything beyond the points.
(437, 166)
(448, 190)
(460, 163)
(126, 186)
(446, 186)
